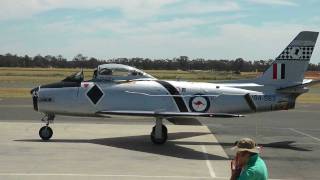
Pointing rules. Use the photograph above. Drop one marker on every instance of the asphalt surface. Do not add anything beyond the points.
(290, 141)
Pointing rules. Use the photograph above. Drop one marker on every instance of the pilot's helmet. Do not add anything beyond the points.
(105, 71)
(134, 73)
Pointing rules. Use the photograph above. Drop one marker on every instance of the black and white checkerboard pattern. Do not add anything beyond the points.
(296, 53)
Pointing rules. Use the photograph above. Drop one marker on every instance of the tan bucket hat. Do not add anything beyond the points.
(246, 144)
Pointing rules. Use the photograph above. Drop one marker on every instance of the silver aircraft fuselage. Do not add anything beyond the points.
(88, 98)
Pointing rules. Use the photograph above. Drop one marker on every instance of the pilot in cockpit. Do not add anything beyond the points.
(133, 73)
(106, 72)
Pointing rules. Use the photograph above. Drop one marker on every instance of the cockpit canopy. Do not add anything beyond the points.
(119, 72)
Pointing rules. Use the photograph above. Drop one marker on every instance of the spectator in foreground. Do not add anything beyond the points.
(248, 165)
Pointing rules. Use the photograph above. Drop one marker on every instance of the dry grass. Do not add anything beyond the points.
(28, 79)
(40, 72)
(197, 75)
(14, 92)
(312, 74)
(309, 98)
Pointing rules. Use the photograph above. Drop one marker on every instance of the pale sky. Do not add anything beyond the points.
(210, 29)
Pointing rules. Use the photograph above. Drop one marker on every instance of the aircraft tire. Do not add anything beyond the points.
(164, 135)
(45, 133)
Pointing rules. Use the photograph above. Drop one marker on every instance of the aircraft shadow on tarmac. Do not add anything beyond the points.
(143, 143)
(171, 148)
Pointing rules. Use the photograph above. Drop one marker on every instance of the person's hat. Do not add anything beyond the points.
(246, 144)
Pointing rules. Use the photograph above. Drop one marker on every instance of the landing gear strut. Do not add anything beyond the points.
(46, 132)
(159, 133)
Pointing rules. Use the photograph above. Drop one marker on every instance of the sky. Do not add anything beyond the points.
(209, 29)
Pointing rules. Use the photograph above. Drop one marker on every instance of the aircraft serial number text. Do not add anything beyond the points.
(264, 97)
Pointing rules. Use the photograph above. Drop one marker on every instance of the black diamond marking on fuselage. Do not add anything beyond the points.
(177, 98)
(95, 94)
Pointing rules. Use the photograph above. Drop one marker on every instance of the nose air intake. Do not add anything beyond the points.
(34, 93)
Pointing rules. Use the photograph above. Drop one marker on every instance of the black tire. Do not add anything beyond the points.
(164, 135)
(45, 133)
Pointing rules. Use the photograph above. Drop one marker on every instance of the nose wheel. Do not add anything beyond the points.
(46, 132)
(159, 133)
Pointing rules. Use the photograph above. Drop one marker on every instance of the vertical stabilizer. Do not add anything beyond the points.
(289, 67)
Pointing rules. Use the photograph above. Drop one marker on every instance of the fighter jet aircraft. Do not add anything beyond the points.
(117, 89)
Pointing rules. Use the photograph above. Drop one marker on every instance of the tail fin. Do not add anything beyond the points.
(289, 67)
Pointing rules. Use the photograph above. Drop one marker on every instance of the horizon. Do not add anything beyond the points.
(157, 29)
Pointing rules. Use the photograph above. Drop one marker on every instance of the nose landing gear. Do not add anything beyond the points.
(159, 133)
(46, 132)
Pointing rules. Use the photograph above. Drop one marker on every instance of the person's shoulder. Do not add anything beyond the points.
(260, 163)
(260, 169)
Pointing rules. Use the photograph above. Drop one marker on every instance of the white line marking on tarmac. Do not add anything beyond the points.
(205, 153)
(305, 134)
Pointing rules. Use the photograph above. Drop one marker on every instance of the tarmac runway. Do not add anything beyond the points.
(120, 148)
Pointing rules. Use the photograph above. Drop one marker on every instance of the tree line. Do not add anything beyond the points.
(182, 63)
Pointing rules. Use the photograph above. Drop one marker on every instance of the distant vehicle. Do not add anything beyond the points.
(117, 89)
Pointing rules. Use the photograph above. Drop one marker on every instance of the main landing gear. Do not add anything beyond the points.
(46, 132)
(159, 133)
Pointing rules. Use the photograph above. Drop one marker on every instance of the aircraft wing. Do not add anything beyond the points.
(168, 114)
(193, 121)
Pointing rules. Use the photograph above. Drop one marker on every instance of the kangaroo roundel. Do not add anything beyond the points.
(199, 104)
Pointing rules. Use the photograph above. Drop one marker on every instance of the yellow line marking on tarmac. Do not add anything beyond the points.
(205, 153)
(305, 134)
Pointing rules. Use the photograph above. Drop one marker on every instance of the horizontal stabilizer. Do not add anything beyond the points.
(301, 88)
(168, 114)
